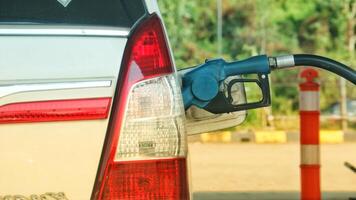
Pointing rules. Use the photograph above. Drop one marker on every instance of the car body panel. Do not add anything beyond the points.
(59, 57)
(63, 156)
(37, 158)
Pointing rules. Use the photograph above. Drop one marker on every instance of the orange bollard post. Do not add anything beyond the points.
(309, 136)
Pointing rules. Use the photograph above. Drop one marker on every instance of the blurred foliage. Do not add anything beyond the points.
(273, 27)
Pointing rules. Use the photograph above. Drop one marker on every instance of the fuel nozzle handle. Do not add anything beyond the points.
(201, 85)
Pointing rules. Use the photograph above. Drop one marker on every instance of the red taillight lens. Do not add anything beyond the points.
(57, 110)
(145, 149)
(150, 51)
(149, 55)
(149, 179)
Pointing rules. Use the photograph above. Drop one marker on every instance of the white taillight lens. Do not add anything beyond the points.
(153, 123)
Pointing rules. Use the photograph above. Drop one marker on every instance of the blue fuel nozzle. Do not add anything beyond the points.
(201, 85)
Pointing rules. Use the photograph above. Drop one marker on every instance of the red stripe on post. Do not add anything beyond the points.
(57, 110)
(310, 179)
(309, 87)
(309, 127)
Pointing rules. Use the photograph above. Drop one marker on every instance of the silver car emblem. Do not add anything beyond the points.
(64, 2)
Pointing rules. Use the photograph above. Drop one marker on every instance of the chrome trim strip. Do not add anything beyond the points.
(32, 87)
(62, 30)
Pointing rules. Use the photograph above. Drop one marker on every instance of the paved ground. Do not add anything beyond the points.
(266, 171)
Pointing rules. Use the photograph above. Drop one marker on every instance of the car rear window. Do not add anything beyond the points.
(118, 13)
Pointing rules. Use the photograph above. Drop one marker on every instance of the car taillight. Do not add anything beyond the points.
(55, 110)
(144, 153)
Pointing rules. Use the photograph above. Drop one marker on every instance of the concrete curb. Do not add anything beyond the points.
(271, 136)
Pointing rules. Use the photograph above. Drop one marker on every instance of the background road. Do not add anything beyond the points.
(266, 171)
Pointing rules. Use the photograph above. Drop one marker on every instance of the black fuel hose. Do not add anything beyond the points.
(327, 64)
(281, 62)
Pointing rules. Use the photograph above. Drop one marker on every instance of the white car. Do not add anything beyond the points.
(90, 103)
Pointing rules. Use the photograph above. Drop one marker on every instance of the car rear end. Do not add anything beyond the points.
(90, 104)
